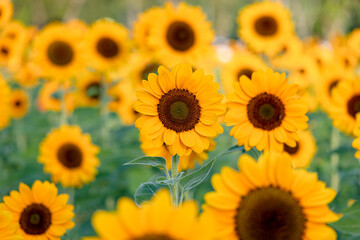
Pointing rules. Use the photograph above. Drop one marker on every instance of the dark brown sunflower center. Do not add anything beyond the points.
(93, 90)
(180, 36)
(266, 111)
(353, 105)
(60, 53)
(5, 51)
(332, 85)
(269, 213)
(246, 71)
(70, 155)
(179, 110)
(266, 26)
(150, 68)
(107, 47)
(35, 219)
(291, 150)
(17, 103)
(154, 237)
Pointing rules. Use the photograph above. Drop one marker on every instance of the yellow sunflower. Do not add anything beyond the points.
(180, 108)
(6, 10)
(321, 52)
(270, 200)
(356, 142)
(49, 97)
(304, 150)
(265, 26)
(345, 105)
(143, 25)
(123, 98)
(266, 111)
(181, 34)
(5, 110)
(59, 51)
(19, 103)
(10, 54)
(329, 79)
(16, 31)
(28, 75)
(108, 45)
(303, 70)
(8, 227)
(290, 49)
(242, 63)
(152, 148)
(140, 65)
(88, 89)
(354, 41)
(156, 219)
(69, 156)
(41, 213)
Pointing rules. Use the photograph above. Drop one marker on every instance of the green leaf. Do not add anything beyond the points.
(235, 148)
(193, 179)
(145, 192)
(170, 182)
(158, 162)
(350, 221)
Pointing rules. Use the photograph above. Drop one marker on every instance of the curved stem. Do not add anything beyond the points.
(174, 173)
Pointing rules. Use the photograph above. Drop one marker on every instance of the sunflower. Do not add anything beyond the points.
(330, 78)
(88, 89)
(69, 156)
(356, 142)
(266, 111)
(345, 105)
(265, 26)
(5, 109)
(19, 103)
(140, 65)
(321, 52)
(108, 45)
(123, 98)
(58, 50)
(290, 49)
(354, 41)
(41, 213)
(303, 70)
(180, 108)
(304, 150)
(8, 227)
(152, 148)
(242, 63)
(16, 31)
(49, 97)
(270, 200)
(6, 12)
(181, 34)
(143, 25)
(10, 54)
(156, 219)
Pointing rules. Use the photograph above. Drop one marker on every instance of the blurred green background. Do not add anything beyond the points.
(312, 18)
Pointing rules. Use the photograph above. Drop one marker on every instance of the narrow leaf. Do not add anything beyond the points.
(193, 179)
(158, 162)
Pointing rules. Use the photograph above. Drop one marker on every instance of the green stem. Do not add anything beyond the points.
(72, 200)
(334, 159)
(104, 109)
(174, 173)
(63, 117)
(19, 135)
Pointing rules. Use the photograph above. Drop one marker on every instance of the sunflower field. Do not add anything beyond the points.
(196, 120)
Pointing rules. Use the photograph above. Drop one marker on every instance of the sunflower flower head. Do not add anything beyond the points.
(40, 212)
(8, 227)
(180, 108)
(266, 111)
(69, 156)
(156, 219)
(270, 200)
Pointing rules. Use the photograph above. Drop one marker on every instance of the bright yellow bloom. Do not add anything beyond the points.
(181, 34)
(268, 199)
(6, 10)
(69, 156)
(156, 219)
(180, 108)
(266, 111)
(356, 142)
(41, 213)
(5, 109)
(19, 103)
(265, 26)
